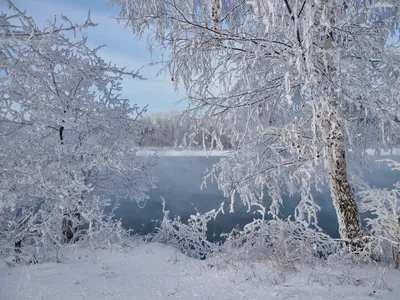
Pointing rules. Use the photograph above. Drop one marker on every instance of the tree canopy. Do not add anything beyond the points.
(300, 81)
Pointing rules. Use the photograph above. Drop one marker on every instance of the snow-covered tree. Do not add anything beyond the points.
(68, 140)
(300, 81)
(170, 129)
(167, 129)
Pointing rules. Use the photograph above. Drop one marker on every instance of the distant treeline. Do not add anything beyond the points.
(176, 130)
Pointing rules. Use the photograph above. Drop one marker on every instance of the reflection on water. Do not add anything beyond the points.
(179, 179)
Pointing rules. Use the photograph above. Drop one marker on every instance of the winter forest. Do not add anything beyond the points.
(286, 101)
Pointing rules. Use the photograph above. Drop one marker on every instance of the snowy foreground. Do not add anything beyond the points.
(154, 271)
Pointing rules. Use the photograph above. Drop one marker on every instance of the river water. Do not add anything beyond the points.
(179, 180)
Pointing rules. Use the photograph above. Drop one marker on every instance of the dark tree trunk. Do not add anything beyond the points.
(70, 225)
(396, 254)
(18, 250)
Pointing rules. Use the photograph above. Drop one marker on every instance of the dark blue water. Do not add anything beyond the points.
(179, 180)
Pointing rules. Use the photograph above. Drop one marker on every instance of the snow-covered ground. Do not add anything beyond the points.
(154, 271)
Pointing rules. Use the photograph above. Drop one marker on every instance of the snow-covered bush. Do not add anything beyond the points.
(383, 206)
(285, 243)
(190, 238)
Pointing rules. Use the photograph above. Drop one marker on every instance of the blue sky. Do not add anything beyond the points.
(122, 49)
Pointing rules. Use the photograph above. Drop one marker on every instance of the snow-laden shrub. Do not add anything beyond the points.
(15, 228)
(190, 238)
(283, 242)
(37, 237)
(383, 206)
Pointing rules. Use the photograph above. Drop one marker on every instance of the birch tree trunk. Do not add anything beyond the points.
(341, 191)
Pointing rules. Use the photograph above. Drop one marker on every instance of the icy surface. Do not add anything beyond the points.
(153, 271)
